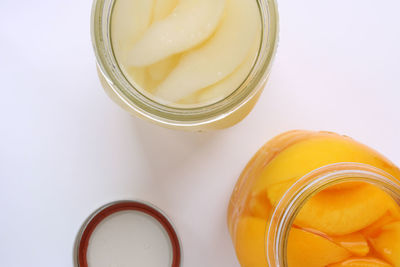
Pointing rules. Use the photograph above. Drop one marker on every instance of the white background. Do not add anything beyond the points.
(66, 149)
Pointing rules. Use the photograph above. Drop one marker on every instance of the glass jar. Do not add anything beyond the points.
(222, 114)
(286, 173)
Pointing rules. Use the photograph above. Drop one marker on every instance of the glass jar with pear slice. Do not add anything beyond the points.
(188, 64)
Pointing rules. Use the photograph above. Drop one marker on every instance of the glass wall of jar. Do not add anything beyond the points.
(240, 95)
(316, 199)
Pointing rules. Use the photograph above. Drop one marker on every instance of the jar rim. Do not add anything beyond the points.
(179, 116)
(142, 207)
(299, 193)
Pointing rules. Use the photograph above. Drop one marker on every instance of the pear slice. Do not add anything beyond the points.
(136, 76)
(130, 19)
(220, 90)
(344, 212)
(387, 244)
(361, 262)
(306, 249)
(162, 8)
(161, 69)
(218, 57)
(191, 22)
(225, 87)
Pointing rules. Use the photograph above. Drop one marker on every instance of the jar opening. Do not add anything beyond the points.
(308, 186)
(145, 106)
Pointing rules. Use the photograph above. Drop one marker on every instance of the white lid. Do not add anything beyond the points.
(128, 233)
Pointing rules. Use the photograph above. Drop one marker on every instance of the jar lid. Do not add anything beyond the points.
(127, 233)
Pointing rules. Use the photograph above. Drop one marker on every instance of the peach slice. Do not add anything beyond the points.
(218, 57)
(361, 262)
(356, 243)
(259, 206)
(254, 167)
(344, 212)
(318, 150)
(306, 249)
(387, 243)
(190, 23)
(345, 185)
(374, 229)
(250, 240)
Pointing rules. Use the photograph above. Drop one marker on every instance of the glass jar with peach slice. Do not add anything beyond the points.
(316, 199)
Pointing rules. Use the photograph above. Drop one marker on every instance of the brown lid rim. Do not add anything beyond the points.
(112, 208)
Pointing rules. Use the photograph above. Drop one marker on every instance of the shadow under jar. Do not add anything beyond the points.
(185, 64)
(314, 199)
